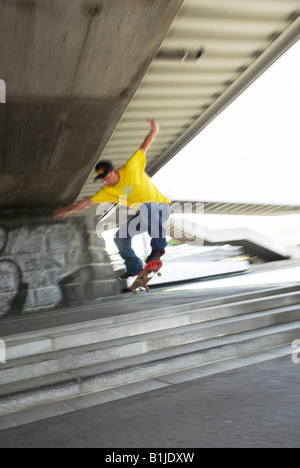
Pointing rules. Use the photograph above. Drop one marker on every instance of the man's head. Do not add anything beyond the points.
(107, 173)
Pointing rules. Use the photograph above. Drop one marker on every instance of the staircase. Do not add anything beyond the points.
(254, 243)
(64, 362)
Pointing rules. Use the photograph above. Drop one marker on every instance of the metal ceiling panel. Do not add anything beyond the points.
(213, 51)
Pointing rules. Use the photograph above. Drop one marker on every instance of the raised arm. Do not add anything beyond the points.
(63, 213)
(151, 136)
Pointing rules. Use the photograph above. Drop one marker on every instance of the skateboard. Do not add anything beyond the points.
(146, 275)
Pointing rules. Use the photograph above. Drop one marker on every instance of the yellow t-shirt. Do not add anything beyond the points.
(135, 187)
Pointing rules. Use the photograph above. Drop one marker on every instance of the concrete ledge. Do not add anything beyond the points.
(51, 363)
(32, 393)
(76, 403)
(14, 397)
(139, 323)
(100, 355)
(187, 357)
(74, 358)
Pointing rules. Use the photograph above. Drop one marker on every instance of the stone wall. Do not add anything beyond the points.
(44, 265)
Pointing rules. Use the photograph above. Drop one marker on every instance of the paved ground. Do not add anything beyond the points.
(254, 406)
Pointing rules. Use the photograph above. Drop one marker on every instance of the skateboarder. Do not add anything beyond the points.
(132, 187)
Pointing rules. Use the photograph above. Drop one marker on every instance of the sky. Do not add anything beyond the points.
(251, 152)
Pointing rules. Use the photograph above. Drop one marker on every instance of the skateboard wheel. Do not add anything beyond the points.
(147, 288)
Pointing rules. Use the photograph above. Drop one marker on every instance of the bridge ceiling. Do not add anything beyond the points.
(213, 51)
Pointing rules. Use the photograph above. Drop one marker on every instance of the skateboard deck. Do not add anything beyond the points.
(146, 275)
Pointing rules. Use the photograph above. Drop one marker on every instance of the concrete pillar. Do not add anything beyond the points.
(45, 265)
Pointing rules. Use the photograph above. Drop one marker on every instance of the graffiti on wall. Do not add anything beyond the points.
(13, 291)
(48, 265)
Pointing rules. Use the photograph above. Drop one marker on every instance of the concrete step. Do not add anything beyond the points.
(185, 357)
(87, 379)
(67, 359)
(139, 323)
(71, 360)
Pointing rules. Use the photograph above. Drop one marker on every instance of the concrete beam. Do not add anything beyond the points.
(70, 68)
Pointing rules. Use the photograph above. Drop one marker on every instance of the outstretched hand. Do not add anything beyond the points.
(154, 124)
(152, 135)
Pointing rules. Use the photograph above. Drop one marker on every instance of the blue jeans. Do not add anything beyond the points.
(150, 218)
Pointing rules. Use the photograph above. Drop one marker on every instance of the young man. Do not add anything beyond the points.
(132, 187)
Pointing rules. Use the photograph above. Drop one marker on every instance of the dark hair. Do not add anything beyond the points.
(102, 169)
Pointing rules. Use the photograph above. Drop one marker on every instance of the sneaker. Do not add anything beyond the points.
(125, 276)
(155, 255)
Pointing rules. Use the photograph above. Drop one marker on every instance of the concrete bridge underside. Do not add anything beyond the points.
(71, 69)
